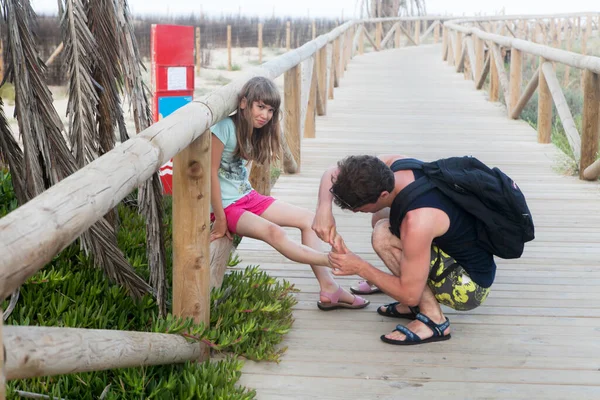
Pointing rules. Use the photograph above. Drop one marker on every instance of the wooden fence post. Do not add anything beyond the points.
(444, 44)
(260, 43)
(191, 232)
(335, 65)
(417, 32)
(260, 178)
(292, 83)
(288, 36)
(436, 33)
(331, 71)
(321, 63)
(361, 40)
(479, 57)
(229, 47)
(378, 33)
(569, 33)
(516, 77)
(198, 51)
(458, 47)
(494, 79)
(544, 108)
(591, 117)
(311, 107)
(1, 60)
(398, 35)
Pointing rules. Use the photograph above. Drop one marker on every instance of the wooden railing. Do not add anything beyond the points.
(34, 233)
(482, 40)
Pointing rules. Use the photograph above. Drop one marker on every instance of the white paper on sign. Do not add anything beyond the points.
(176, 78)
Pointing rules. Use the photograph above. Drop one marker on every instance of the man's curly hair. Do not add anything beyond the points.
(360, 180)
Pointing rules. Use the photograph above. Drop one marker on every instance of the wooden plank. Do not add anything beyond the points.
(292, 120)
(544, 108)
(591, 119)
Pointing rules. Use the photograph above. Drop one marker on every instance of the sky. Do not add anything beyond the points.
(333, 8)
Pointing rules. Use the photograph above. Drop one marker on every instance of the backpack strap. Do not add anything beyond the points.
(406, 163)
(404, 199)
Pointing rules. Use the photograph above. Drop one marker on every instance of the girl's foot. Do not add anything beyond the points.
(340, 299)
(364, 287)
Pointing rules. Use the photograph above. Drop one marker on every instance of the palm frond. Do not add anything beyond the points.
(80, 48)
(12, 153)
(150, 194)
(102, 21)
(47, 158)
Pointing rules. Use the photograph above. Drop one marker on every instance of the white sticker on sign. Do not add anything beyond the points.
(176, 78)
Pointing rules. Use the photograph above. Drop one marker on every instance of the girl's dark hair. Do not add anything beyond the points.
(262, 144)
(360, 180)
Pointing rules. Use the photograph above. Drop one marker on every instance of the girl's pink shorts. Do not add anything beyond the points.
(253, 202)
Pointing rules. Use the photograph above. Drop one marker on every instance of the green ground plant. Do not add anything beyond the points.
(250, 313)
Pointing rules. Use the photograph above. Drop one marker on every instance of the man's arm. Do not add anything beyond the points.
(417, 231)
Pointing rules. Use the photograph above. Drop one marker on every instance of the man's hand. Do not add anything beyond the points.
(343, 261)
(324, 225)
(219, 229)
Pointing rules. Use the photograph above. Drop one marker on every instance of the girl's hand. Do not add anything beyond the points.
(324, 226)
(219, 229)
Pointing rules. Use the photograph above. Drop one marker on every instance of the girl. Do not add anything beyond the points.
(252, 134)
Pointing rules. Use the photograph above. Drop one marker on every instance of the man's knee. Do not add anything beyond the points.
(380, 239)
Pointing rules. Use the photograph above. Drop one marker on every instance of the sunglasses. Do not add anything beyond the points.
(338, 198)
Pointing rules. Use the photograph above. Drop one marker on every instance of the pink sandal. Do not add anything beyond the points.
(334, 301)
(363, 287)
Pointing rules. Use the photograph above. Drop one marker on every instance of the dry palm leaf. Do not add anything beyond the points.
(79, 56)
(150, 194)
(47, 158)
(12, 153)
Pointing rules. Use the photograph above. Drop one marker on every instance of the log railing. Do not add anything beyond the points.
(33, 234)
(533, 35)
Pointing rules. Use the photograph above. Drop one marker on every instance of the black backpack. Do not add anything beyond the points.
(504, 223)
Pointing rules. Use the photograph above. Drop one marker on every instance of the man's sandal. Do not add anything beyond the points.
(391, 311)
(334, 302)
(363, 288)
(412, 338)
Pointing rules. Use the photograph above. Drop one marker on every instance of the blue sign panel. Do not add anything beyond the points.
(168, 104)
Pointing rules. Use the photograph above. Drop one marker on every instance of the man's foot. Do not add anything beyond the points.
(340, 299)
(364, 287)
(397, 310)
(422, 330)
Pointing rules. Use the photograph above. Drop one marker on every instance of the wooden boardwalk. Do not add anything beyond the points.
(538, 334)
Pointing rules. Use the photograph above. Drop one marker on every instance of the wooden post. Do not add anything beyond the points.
(458, 47)
(260, 178)
(436, 33)
(544, 108)
(397, 35)
(479, 57)
(322, 81)
(191, 232)
(314, 30)
(591, 118)
(586, 34)
(291, 83)
(198, 53)
(569, 33)
(494, 79)
(53, 56)
(260, 43)
(311, 107)
(444, 44)
(361, 40)
(229, 47)
(331, 71)
(378, 33)
(335, 66)
(288, 36)
(417, 32)
(516, 77)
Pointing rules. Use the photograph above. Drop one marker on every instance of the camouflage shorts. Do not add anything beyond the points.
(451, 285)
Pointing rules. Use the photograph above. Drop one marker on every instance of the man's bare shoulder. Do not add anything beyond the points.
(388, 159)
(426, 222)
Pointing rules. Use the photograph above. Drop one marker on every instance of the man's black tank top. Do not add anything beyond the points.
(460, 240)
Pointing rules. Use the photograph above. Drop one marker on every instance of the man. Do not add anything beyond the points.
(433, 257)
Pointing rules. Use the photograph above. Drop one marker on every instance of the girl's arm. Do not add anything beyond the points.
(219, 228)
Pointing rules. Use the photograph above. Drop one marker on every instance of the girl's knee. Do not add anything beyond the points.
(274, 234)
